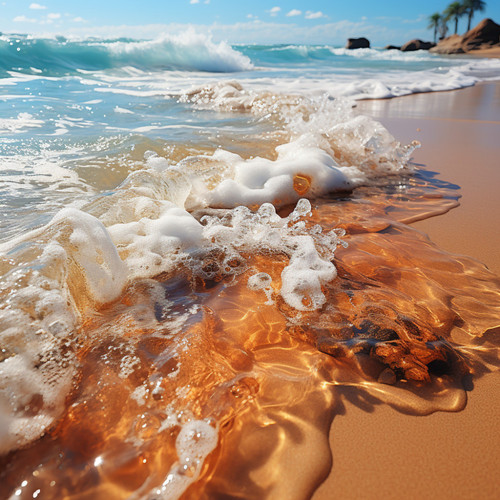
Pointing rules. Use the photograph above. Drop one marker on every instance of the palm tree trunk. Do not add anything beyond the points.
(435, 33)
(470, 19)
(456, 25)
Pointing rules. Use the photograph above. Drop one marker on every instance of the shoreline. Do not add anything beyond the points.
(385, 454)
(458, 131)
(493, 52)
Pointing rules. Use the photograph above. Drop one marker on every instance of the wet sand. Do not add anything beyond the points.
(460, 136)
(379, 453)
(491, 52)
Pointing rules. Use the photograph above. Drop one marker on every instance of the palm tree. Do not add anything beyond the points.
(454, 11)
(443, 27)
(472, 6)
(434, 23)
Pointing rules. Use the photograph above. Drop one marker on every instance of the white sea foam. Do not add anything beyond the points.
(258, 180)
(148, 226)
(73, 260)
(19, 124)
(386, 55)
(353, 82)
(241, 232)
(124, 111)
(195, 441)
(88, 244)
(37, 330)
(188, 51)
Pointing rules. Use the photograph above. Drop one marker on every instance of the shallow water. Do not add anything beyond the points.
(196, 275)
(259, 381)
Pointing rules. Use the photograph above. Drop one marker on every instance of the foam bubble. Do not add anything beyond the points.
(330, 149)
(242, 232)
(90, 246)
(297, 171)
(37, 328)
(259, 281)
(303, 277)
(195, 441)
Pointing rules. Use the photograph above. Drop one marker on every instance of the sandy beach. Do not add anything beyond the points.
(492, 52)
(382, 453)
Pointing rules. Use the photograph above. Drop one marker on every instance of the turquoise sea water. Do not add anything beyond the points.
(67, 107)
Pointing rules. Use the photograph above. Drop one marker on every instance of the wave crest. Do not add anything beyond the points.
(188, 51)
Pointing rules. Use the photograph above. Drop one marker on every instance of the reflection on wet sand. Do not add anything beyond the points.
(199, 387)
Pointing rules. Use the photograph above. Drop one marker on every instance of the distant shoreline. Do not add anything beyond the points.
(493, 52)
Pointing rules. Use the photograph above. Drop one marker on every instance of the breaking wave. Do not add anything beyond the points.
(188, 51)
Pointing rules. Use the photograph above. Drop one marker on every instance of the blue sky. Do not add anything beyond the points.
(258, 21)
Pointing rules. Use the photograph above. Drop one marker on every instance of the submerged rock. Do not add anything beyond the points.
(387, 377)
(358, 43)
(392, 47)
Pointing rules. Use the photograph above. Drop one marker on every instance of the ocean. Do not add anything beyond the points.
(203, 249)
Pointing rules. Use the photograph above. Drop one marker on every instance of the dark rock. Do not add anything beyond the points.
(358, 43)
(416, 45)
(392, 47)
(484, 36)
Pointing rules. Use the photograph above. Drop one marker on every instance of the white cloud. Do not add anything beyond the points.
(206, 2)
(419, 19)
(335, 33)
(314, 15)
(37, 6)
(79, 20)
(294, 12)
(244, 32)
(194, 1)
(23, 19)
(274, 11)
(53, 16)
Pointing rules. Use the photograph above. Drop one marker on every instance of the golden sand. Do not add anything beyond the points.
(382, 454)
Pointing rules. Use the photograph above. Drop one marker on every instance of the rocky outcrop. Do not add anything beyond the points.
(449, 45)
(484, 36)
(358, 43)
(416, 45)
(392, 47)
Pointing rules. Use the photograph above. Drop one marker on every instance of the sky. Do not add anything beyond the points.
(258, 21)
